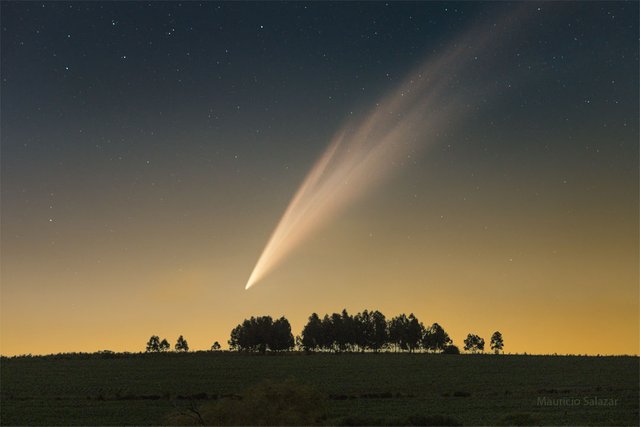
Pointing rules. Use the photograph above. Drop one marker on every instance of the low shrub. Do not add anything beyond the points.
(269, 403)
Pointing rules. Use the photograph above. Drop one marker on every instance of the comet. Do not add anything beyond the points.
(398, 127)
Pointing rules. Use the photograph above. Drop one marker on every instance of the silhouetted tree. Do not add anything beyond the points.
(215, 346)
(473, 343)
(153, 345)
(251, 335)
(181, 344)
(344, 332)
(262, 329)
(259, 334)
(164, 345)
(415, 332)
(237, 339)
(405, 333)
(337, 337)
(234, 338)
(363, 330)
(398, 332)
(280, 338)
(328, 333)
(435, 338)
(497, 343)
(380, 331)
(312, 337)
(339, 332)
(347, 332)
(480, 345)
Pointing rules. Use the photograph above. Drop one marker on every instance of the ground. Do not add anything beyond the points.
(143, 389)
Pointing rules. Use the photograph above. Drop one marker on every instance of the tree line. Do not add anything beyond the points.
(155, 345)
(343, 332)
(367, 331)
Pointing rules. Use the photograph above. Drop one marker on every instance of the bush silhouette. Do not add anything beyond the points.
(451, 349)
(268, 403)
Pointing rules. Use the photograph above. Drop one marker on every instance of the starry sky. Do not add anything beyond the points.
(149, 150)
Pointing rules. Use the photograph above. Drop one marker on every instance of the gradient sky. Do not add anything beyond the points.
(149, 150)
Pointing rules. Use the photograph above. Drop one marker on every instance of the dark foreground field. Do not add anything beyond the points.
(469, 389)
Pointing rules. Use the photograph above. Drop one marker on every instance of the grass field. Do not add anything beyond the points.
(472, 389)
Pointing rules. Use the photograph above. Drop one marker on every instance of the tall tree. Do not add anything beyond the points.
(414, 334)
(474, 343)
(236, 339)
(262, 334)
(497, 343)
(281, 338)
(263, 327)
(328, 333)
(153, 345)
(380, 331)
(312, 334)
(363, 330)
(181, 344)
(398, 327)
(164, 345)
(435, 338)
(337, 335)
(347, 332)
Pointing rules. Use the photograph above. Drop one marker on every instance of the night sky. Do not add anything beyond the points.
(150, 149)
